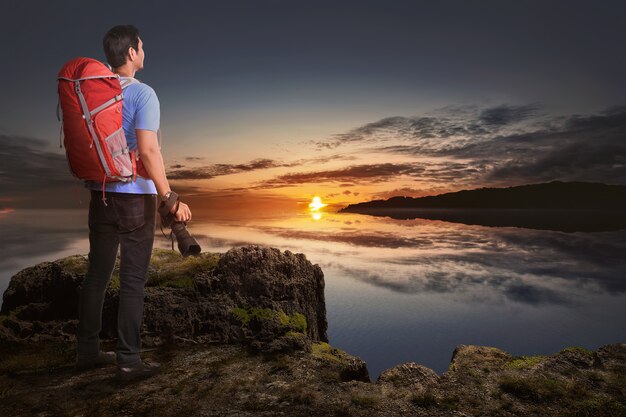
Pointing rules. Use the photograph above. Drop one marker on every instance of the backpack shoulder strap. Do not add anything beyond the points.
(126, 81)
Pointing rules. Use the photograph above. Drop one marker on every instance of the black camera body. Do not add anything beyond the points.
(187, 245)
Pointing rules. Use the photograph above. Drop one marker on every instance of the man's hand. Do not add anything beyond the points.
(183, 214)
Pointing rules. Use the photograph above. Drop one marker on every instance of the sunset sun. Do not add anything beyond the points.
(316, 204)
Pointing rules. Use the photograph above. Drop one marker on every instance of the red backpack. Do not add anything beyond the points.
(90, 98)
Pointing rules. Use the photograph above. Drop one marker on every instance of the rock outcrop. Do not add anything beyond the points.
(253, 295)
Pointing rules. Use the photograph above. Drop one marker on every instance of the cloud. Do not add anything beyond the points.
(534, 294)
(506, 114)
(504, 144)
(211, 171)
(460, 122)
(33, 176)
(454, 147)
(604, 162)
(355, 174)
(25, 164)
(215, 170)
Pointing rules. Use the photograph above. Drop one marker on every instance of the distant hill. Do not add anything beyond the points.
(552, 195)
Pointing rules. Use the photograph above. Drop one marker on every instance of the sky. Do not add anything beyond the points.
(268, 103)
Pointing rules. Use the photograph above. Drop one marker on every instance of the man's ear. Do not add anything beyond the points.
(131, 53)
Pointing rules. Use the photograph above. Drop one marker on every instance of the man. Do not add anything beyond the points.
(127, 221)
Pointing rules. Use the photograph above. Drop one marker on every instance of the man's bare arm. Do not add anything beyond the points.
(152, 159)
(148, 146)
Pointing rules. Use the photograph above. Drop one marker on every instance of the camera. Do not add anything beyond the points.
(187, 245)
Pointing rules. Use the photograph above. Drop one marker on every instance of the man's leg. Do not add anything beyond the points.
(137, 214)
(103, 245)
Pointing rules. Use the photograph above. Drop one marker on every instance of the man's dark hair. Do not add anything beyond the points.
(117, 41)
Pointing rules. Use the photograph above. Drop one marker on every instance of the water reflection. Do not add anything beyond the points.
(407, 290)
(417, 256)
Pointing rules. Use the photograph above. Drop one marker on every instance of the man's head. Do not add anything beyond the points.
(122, 46)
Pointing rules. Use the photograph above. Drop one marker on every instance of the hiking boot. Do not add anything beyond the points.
(103, 358)
(138, 370)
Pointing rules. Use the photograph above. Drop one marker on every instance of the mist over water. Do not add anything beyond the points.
(405, 290)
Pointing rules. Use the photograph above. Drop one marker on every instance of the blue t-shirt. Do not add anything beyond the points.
(140, 110)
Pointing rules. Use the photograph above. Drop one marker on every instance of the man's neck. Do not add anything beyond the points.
(125, 71)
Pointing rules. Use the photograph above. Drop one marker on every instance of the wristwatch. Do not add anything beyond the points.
(166, 196)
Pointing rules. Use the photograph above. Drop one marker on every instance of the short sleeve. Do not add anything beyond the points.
(148, 113)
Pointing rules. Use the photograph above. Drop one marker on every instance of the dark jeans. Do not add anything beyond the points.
(127, 222)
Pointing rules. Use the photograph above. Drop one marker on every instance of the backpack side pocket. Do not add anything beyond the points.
(120, 154)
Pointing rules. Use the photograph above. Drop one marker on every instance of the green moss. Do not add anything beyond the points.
(114, 283)
(241, 314)
(170, 269)
(297, 321)
(76, 264)
(325, 351)
(522, 362)
(292, 333)
(577, 349)
(245, 315)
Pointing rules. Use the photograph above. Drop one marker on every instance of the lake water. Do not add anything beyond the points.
(405, 290)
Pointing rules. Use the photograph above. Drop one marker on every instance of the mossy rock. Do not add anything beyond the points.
(168, 268)
(297, 321)
(75, 264)
(577, 349)
(524, 362)
(325, 351)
